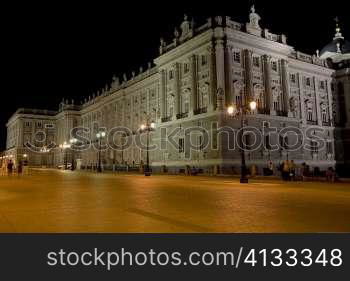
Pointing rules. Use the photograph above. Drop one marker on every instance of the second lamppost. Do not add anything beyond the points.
(147, 127)
(100, 136)
(73, 141)
(240, 111)
(64, 147)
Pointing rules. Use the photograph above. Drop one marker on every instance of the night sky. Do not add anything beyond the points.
(56, 50)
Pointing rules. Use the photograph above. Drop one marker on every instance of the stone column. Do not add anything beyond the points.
(302, 100)
(285, 87)
(162, 89)
(220, 64)
(330, 101)
(194, 92)
(20, 134)
(317, 101)
(346, 84)
(267, 80)
(212, 77)
(123, 111)
(228, 76)
(248, 75)
(177, 88)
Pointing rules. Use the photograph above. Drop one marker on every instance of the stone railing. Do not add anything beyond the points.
(126, 83)
(36, 111)
(200, 111)
(232, 24)
(182, 115)
(166, 119)
(308, 58)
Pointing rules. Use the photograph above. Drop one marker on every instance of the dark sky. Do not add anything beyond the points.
(56, 50)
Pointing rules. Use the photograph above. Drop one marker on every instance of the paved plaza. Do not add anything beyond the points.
(65, 201)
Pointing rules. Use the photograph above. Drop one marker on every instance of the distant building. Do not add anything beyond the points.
(196, 77)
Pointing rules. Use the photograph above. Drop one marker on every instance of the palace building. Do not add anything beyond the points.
(196, 77)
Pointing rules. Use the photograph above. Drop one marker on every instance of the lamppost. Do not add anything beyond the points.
(44, 150)
(233, 111)
(147, 127)
(64, 147)
(72, 141)
(25, 156)
(100, 135)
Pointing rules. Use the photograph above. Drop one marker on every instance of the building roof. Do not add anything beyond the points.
(332, 47)
(338, 47)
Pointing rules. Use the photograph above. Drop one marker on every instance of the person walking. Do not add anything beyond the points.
(285, 170)
(10, 168)
(330, 174)
(20, 168)
(292, 168)
(270, 166)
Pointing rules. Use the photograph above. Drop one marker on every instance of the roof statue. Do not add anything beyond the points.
(186, 30)
(253, 26)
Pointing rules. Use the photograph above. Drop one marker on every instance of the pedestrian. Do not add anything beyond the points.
(285, 170)
(330, 174)
(19, 170)
(270, 166)
(253, 171)
(10, 168)
(292, 168)
(25, 167)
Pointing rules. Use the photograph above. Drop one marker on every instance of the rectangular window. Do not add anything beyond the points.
(214, 128)
(314, 147)
(309, 115)
(274, 65)
(283, 142)
(27, 124)
(200, 143)
(49, 126)
(186, 68)
(204, 60)
(181, 145)
(293, 78)
(324, 116)
(322, 85)
(187, 107)
(267, 144)
(308, 82)
(329, 147)
(39, 124)
(171, 74)
(237, 57)
(256, 61)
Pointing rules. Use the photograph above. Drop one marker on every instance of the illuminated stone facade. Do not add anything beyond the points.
(195, 78)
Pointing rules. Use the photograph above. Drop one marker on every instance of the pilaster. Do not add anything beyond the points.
(317, 101)
(285, 87)
(302, 100)
(194, 92)
(162, 90)
(267, 80)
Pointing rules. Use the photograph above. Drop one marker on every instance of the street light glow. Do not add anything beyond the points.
(231, 109)
(253, 105)
(101, 135)
(143, 127)
(153, 125)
